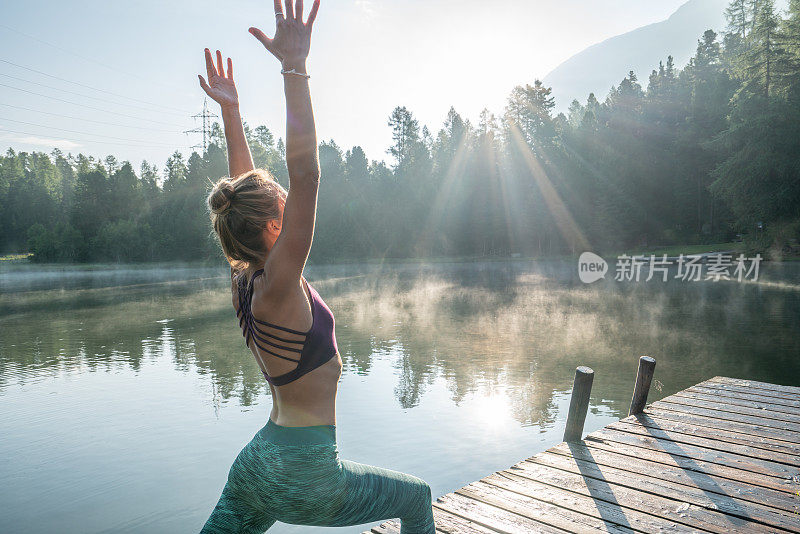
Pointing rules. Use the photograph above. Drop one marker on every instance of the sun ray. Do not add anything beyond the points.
(441, 203)
(500, 178)
(566, 224)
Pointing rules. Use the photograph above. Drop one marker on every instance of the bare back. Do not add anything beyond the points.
(281, 326)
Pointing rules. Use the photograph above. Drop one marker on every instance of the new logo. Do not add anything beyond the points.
(591, 267)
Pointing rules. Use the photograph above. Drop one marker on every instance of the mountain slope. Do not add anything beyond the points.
(600, 66)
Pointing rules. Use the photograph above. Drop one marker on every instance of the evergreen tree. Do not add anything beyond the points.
(175, 172)
(405, 135)
(700, 154)
(529, 110)
(739, 15)
(764, 57)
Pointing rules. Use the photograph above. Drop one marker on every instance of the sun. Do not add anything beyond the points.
(492, 410)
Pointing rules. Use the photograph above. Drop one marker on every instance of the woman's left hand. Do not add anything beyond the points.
(220, 87)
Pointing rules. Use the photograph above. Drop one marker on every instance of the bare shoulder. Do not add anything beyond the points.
(281, 303)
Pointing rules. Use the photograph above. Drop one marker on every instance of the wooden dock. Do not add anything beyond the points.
(721, 456)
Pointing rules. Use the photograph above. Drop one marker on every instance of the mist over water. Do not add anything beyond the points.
(128, 392)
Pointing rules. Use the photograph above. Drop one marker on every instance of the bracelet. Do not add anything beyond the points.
(294, 72)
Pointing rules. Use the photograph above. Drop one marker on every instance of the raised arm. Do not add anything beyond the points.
(291, 45)
(222, 89)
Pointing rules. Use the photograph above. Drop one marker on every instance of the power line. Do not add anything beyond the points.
(91, 60)
(85, 96)
(148, 128)
(88, 107)
(2, 129)
(78, 132)
(88, 86)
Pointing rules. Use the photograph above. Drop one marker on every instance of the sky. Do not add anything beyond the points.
(112, 77)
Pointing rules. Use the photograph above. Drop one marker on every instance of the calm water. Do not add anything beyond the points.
(127, 393)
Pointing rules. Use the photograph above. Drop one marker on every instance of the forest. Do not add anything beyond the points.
(704, 154)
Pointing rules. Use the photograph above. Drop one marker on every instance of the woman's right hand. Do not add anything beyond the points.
(220, 87)
(292, 39)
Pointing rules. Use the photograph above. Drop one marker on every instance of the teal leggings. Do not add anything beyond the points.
(294, 475)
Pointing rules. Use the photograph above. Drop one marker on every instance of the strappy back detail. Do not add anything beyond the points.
(316, 346)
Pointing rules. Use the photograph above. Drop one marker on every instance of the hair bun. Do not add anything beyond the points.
(221, 197)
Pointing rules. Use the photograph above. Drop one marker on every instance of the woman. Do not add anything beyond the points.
(290, 471)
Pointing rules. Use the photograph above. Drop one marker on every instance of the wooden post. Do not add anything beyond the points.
(578, 404)
(643, 379)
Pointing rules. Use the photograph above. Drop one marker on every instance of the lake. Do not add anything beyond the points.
(127, 392)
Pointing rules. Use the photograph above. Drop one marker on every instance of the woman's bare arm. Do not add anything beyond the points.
(222, 89)
(291, 45)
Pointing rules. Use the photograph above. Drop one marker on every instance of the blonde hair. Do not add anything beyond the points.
(240, 209)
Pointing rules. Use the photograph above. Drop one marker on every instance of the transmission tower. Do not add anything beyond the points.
(206, 117)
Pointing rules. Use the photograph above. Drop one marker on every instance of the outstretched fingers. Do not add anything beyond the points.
(313, 14)
(266, 41)
(289, 13)
(278, 9)
(230, 69)
(204, 85)
(298, 11)
(220, 68)
(258, 34)
(211, 70)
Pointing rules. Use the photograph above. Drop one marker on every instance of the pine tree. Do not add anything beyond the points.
(739, 17)
(790, 42)
(764, 56)
(591, 116)
(405, 134)
(575, 113)
(529, 110)
(175, 172)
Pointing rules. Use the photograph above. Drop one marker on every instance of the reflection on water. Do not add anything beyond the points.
(127, 393)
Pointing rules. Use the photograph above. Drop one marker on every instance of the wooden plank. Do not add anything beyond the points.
(790, 431)
(583, 514)
(786, 485)
(723, 455)
(706, 443)
(387, 527)
(718, 388)
(791, 391)
(651, 513)
(697, 454)
(651, 421)
(775, 411)
(447, 523)
(717, 424)
(478, 513)
(696, 460)
(670, 510)
(732, 392)
(722, 406)
(508, 512)
(719, 413)
(788, 390)
(714, 423)
(713, 501)
(701, 480)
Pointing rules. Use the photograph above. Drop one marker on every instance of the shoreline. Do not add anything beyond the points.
(10, 262)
